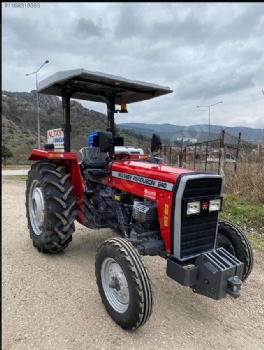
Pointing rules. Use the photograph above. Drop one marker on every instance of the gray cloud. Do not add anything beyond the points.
(202, 51)
(219, 83)
(242, 26)
(86, 27)
(129, 22)
(132, 23)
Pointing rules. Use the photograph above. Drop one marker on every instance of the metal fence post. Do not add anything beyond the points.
(180, 157)
(206, 155)
(237, 151)
(194, 156)
(222, 154)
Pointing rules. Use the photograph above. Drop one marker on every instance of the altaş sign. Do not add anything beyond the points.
(56, 136)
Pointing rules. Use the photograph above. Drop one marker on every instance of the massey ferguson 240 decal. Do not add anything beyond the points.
(163, 185)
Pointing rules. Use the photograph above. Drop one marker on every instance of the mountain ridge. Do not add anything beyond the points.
(19, 125)
(248, 134)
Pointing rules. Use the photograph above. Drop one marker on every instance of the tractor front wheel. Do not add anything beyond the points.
(234, 240)
(50, 206)
(123, 283)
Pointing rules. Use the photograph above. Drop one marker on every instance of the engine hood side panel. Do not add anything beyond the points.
(153, 182)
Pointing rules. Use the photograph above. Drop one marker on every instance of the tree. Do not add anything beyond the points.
(6, 153)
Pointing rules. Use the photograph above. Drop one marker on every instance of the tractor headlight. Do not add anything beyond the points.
(215, 204)
(193, 208)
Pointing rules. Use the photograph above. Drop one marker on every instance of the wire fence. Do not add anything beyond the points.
(225, 153)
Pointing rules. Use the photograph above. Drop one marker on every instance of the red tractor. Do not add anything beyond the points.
(154, 208)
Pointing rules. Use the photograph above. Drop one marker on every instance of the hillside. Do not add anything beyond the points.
(19, 123)
(168, 137)
(198, 131)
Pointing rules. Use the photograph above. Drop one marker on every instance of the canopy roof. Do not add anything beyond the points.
(88, 85)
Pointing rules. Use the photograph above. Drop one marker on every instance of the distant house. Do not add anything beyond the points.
(186, 139)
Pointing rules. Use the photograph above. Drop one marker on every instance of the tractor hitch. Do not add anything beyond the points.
(214, 274)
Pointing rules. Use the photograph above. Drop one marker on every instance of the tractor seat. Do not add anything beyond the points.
(95, 175)
(92, 158)
(97, 172)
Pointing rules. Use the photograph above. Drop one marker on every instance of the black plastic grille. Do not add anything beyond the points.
(198, 232)
(203, 187)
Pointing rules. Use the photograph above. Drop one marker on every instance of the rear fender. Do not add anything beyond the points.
(69, 160)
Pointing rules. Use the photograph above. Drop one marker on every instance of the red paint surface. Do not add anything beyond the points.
(158, 172)
(70, 161)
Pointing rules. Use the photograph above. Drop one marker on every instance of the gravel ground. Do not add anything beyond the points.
(52, 302)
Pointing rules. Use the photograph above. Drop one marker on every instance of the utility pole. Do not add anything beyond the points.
(38, 99)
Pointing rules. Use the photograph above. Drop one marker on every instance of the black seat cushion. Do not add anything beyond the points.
(93, 158)
(97, 172)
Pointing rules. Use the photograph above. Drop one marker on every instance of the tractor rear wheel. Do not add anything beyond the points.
(234, 240)
(123, 283)
(50, 206)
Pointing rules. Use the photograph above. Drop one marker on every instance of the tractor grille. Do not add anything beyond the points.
(203, 187)
(198, 233)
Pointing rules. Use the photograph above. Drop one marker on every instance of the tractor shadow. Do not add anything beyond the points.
(84, 245)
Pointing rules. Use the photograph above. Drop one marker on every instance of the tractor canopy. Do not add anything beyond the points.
(82, 84)
(96, 86)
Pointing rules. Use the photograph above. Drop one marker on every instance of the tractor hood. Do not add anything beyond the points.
(127, 173)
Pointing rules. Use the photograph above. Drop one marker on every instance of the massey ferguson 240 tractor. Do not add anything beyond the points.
(155, 209)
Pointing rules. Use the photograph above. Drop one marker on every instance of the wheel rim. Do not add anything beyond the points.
(225, 243)
(115, 285)
(36, 207)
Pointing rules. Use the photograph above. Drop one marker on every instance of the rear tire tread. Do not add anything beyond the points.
(60, 202)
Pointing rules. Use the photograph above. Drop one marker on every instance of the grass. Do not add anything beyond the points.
(248, 181)
(15, 167)
(242, 212)
(256, 240)
(244, 200)
(246, 214)
(15, 177)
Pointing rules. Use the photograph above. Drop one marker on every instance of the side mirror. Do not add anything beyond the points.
(106, 141)
(118, 141)
(155, 143)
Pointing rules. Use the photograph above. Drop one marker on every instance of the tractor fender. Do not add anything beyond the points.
(70, 161)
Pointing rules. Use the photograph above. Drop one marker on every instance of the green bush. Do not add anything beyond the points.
(6, 153)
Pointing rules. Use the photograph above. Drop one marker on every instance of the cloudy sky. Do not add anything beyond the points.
(205, 52)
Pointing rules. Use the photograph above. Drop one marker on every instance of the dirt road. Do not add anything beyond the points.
(51, 301)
